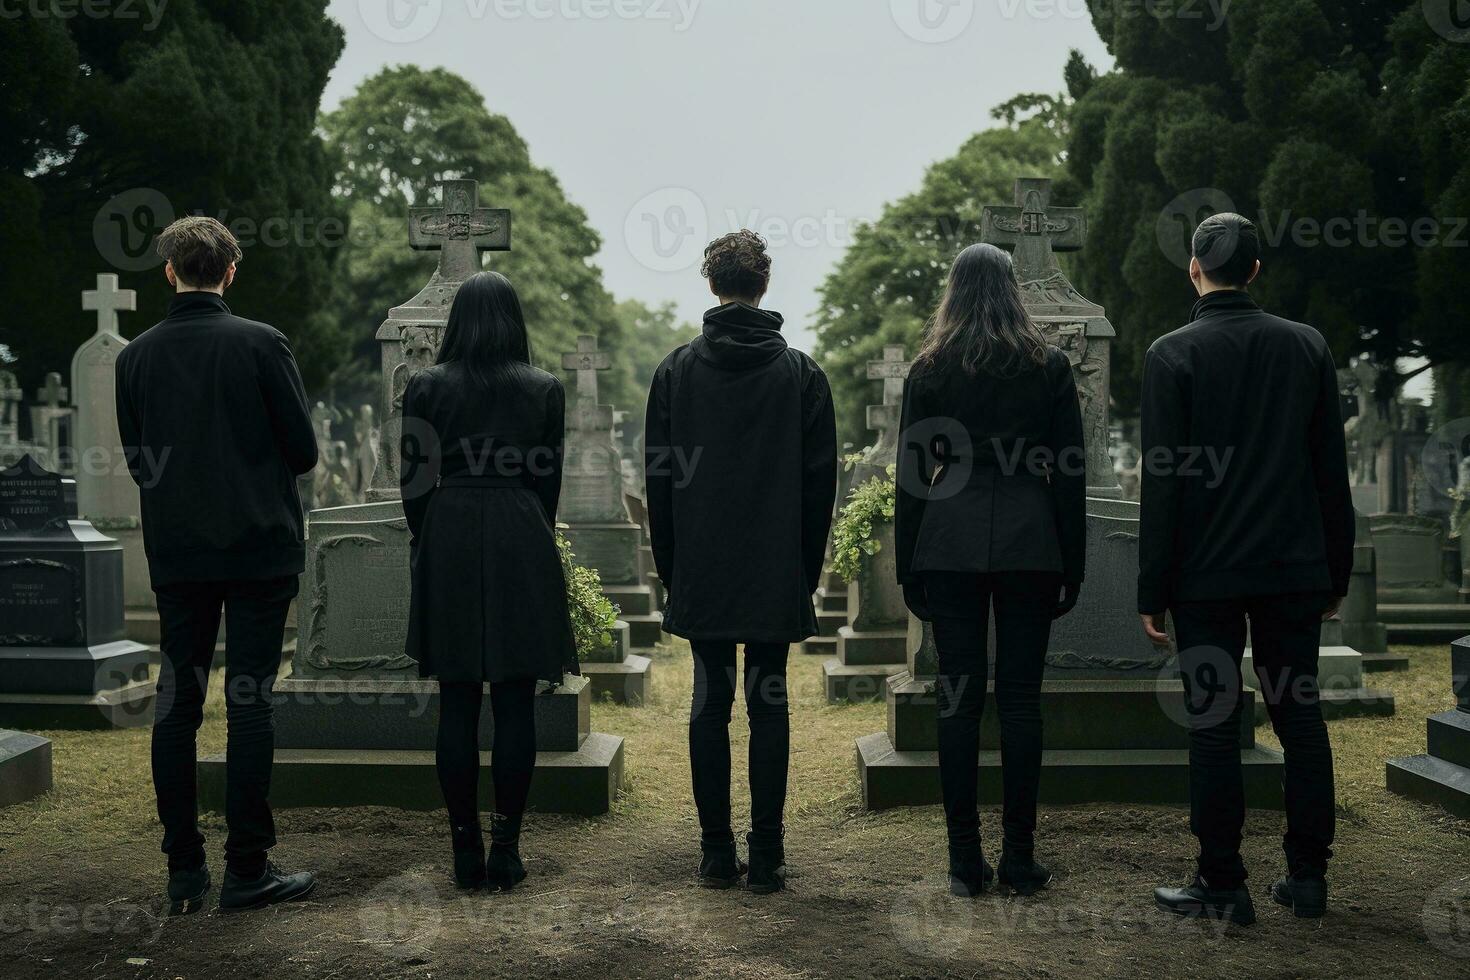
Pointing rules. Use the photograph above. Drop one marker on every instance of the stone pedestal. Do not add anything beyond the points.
(832, 602)
(1442, 775)
(1340, 680)
(1358, 625)
(25, 767)
(1113, 709)
(871, 646)
(1417, 601)
(618, 675)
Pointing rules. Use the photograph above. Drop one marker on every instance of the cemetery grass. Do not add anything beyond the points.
(616, 896)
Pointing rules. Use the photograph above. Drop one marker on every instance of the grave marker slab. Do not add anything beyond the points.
(1441, 776)
(25, 767)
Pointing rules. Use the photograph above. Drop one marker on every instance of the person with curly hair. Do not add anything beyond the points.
(741, 461)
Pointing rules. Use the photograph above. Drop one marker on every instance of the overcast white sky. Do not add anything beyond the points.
(673, 121)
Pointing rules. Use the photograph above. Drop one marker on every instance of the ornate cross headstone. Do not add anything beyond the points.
(1035, 232)
(884, 418)
(593, 473)
(105, 491)
(50, 419)
(459, 230)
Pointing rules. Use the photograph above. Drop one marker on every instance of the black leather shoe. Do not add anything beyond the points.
(1305, 895)
(970, 875)
(1019, 872)
(767, 872)
(1198, 899)
(720, 866)
(186, 890)
(469, 857)
(272, 887)
(503, 867)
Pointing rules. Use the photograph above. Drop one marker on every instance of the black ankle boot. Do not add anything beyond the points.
(503, 868)
(469, 856)
(1020, 873)
(969, 873)
(719, 865)
(767, 865)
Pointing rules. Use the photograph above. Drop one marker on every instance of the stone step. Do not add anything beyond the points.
(1426, 634)
(1402, 613)
(130, 706)
(645, 632)
(1338, 668)
(819, 646)
(1362, 702)
(585, 782)
(856, 684)
(892, 778)
(622, 683)
(1381, 662)
(828, 623)
(832, 600)
(1449, 737)
(1430, 780)
(632, 600)
(868, 649)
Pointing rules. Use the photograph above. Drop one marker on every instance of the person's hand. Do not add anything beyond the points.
(917, 600)
(1333, 608)
(1153, 628)
(1068, 600)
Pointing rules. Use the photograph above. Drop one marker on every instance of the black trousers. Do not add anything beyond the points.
(512, 755)
(960, 604)
(1285, 633)
(709, 737)
(189, 617)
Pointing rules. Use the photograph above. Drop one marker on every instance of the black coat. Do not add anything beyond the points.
(741, 464)
(489, 595)
(215, 425)
(1011, 492)
(1245, 481)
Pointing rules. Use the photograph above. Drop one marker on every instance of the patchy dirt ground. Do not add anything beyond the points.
(81, 878)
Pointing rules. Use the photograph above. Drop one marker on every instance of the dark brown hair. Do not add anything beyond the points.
(1228, 247)
(981, 324)
(200, 248)
(737, 265)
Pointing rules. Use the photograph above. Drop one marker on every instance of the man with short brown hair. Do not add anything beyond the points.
(214, 420)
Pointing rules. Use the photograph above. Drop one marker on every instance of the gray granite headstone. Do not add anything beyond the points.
(105, 490)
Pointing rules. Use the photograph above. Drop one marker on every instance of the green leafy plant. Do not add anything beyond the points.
(593, 616)
(869, 506)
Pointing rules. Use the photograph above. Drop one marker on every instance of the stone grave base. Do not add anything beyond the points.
(1340, 680)
(1377, 663)
(1423, 623)
(819, 646)
(25, 767)
(79, 688)
(129, 706)
(856, 683)
(623, 677)
(1442, 775)
(638, 607)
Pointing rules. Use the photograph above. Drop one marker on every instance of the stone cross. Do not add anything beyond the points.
(587, 361)
(107, 300)
(891, 370)
(1033, 229)
(459, 229)
(54, 393)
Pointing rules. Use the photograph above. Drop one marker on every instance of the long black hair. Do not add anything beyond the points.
(487, 331)
(981, 324)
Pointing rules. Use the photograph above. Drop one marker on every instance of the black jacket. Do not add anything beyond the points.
(215, 425)
(741, 464)
(481, 478)
(1245, 482)
(1011, 487)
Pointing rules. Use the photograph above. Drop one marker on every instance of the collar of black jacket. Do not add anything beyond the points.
(193, 304)
(1223, 300)
(738, 336)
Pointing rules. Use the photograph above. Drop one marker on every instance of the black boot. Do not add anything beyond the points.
(503, 867)
(970, 874)
(1198, 899)
(186, 890)
(767, 872)
(240, 894)
(719, 865)
(469, 856)
(1020, 873)
(1304, 893)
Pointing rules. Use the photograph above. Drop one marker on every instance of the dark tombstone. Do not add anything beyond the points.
(64, 659)
(25, 767)
(1442, 775)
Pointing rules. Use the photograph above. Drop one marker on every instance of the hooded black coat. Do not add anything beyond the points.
(741, 464)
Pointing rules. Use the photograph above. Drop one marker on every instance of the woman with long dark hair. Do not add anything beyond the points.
(990, 514)
(481, 476)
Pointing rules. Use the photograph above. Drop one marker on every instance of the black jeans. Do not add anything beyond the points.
(960, 605)
(512, 755)
(189, 618)
(1285, 632)
(709, 737)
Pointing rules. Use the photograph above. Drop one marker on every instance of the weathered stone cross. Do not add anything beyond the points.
(588, 361)
(891, 370)
(107, 300)
(1033, 229)
(54, 393)
(459, 229)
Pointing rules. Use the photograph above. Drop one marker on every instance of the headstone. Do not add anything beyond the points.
(355, 726)
(105, 491)
(25, 767)
(871, 626)
(1441, 776)
(1418, 600)
(10, 399)
(365, 451)
(1359, 626)
(51, 423)
(64, 661)
(1113, 707)
(603, 535)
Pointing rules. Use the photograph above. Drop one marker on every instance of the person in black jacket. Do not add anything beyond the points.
(215, 425)
(991, 511)
(1247, 516)
(741, 464)
(482, 441)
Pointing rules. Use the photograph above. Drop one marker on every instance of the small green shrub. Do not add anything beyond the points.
(593, 616)
(868, 507)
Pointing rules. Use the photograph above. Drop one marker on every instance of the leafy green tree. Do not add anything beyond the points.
(110, 127)
(890, 280)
